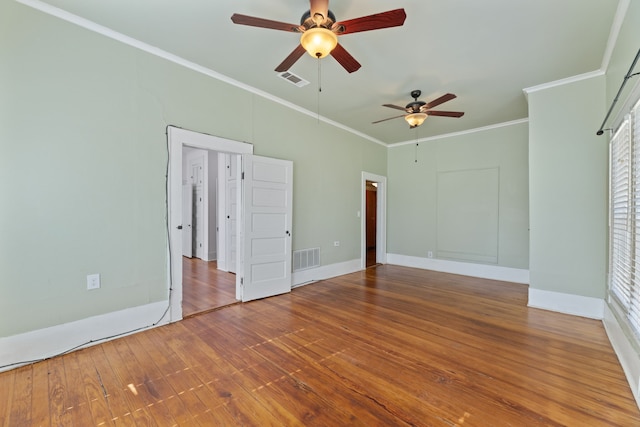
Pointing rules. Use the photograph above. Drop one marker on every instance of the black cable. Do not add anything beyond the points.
(168, 229)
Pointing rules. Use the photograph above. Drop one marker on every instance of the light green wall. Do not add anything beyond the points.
(626, 48)
(568, 189)
(413, 191)
(83, 164)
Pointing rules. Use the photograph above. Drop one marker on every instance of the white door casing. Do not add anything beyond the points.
(381, 221)
(177, 139)
(232, 208)
(187, 214)
(267, 217)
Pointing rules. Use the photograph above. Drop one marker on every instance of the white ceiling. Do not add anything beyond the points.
(486, 52)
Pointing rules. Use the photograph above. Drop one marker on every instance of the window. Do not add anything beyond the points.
(624, 250)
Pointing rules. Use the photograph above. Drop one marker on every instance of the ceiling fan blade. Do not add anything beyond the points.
(444, 98)
(345, 59)
(445, 113)
(252, 21)
(291, 59)
(384, 120)
(394, 106)
(391, 18)
(319, 6)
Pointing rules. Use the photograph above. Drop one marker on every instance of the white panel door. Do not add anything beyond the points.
(267, 197)
(187, 218)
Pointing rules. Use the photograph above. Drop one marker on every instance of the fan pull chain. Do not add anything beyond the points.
(415, 159)
(319, 88)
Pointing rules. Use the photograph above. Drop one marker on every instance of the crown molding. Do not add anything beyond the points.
(153, 50)
(464, 132)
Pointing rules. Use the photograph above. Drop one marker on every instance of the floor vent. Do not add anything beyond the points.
(293, 79)
(306, 258)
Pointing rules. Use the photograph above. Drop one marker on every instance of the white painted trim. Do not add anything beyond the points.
(464, 132)
(576, 305)
(484, 271)
(18, 350)
(107, 32)
(176, 139)
(381, 219)
(618, 20)
(561, 82)
(304, 277)
(627, 355)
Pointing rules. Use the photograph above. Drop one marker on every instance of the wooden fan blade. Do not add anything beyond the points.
(445, 113)
(319, 6)
(291, 59)
(444, 98)
(394, 106)
(345, 59)
(384, 120)
(391, 18)
(252, 21)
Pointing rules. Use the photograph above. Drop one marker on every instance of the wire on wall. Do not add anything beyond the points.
(131, 331)
(615, 100)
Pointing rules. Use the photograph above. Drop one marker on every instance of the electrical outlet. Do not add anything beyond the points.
(93, 281)
(336, 243)
(430, 254)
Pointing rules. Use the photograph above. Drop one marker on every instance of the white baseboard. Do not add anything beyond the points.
(484, 271)
(576, 305)
(29, 347)
(627, 355)
(311, 275)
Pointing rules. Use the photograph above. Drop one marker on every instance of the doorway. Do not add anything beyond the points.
(373, 220)
(207, 282)
(264, 218)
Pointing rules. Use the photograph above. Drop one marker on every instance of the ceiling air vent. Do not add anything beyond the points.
(293, 79)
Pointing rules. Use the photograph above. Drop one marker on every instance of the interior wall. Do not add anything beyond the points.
(83, 124)
(626, 47)
(568, 188)
(424, 218)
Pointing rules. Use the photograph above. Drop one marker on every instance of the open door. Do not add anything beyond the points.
(267, 219)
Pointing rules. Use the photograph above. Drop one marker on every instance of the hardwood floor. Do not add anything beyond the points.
(204, 287)
(388, 346)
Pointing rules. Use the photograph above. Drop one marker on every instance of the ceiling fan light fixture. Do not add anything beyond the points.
(415, 119)
(318, 41)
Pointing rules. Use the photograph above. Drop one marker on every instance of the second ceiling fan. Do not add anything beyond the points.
(320, 30)
(418, 111)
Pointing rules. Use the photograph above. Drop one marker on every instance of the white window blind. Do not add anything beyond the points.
(624, 251)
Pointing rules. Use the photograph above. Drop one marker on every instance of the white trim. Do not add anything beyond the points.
(562, 82)
(576, 305)
(176, 139)
(464, 132)
(323, 272)
(107, 32)
(48, 342)
(618, 20)
(627, 355)
(381, 219)
(484, 271)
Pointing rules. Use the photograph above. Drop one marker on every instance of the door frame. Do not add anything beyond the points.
(177, 138)
(381, 219)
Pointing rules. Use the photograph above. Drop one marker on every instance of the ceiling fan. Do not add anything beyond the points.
(320, 32)
(418, 111)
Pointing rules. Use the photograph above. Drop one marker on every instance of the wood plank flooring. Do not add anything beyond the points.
(388, 346)
(204, 287)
